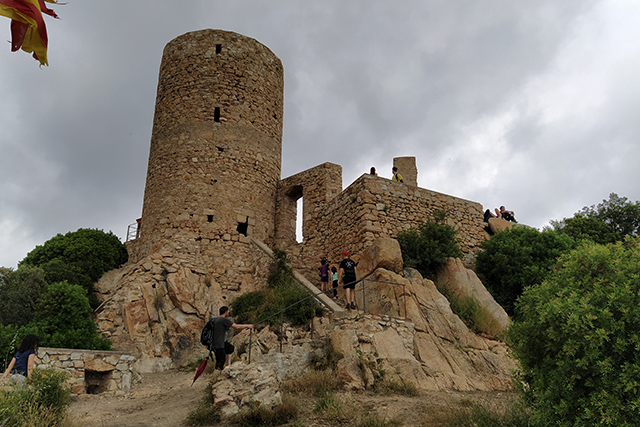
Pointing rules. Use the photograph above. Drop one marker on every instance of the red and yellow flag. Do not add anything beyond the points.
(28, 30)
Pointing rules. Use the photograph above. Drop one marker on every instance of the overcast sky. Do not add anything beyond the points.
(533, 105)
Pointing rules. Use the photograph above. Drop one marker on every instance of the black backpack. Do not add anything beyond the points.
(206, 337)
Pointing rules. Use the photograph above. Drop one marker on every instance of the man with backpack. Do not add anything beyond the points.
(213, 336)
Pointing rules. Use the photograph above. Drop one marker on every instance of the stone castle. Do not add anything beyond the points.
(214, 190)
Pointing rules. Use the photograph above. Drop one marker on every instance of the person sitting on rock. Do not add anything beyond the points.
(508, 215)
(488, 215)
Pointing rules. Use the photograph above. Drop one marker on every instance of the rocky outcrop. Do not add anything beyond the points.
(241, 385)
(155, 309)
(462, 282)
(498, 224)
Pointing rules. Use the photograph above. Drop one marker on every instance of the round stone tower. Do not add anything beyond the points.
(214, 162)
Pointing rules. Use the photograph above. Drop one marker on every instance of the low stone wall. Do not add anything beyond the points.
(91, 371)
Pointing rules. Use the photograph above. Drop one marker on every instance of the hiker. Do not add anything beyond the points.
(488, 215)
(334, 279)
(324, 275)
(22, 363)
(221, 348)
(373, 171)
(348, 277)
(508, 215)
(396, 176)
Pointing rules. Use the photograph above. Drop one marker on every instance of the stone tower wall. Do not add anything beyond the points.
(214, 162)
(407, 168)
(373, 207)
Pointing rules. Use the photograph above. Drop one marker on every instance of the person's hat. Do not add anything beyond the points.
(345, 252)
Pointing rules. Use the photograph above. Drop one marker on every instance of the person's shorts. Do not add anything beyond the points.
(221, 354)
(349, 283)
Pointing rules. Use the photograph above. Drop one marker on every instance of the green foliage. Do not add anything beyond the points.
(516, 258)
(282, 291)
(41, 403)
(63, 319)
(10, 338)
(578, 336)
(607, 222)
(427, 248)
(80, 257)
(374, 420)
(204, 415)
(19, 294)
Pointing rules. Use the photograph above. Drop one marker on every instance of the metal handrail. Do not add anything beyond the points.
(281, 312)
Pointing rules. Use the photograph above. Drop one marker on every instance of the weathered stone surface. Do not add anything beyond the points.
(498, 224)
(385, 253)
(242, 384)
(462, 282)
(345, 342)
(350, 374)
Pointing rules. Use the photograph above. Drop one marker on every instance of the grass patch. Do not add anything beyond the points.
(374, 420)
(388, 387)
(329, 406)
(475, 415)
(476, 317)
(327, 358)
(314, 383)
(41, 402)
(259, 416)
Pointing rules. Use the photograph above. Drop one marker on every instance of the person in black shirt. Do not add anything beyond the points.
(347, 274)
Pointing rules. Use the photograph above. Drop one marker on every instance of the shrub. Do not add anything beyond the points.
(19, 294)
(64, 319)
(260, 416)
(577, 339)
(427, 248)
(41, 403)
(282, 291)
(516, 258)
(314, 383)
(80, 257)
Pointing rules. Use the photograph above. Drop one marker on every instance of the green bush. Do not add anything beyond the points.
(63, 319)
(577, 339)
(517, 258)
(19, 294)
(427, 248)
(42, 402)
(282, 291)
(80, 257)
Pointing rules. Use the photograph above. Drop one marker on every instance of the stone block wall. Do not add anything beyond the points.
(90, 372)
(373, 207)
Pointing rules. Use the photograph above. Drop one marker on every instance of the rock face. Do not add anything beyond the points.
(432, 349)
(243, 384)
(155, 309)
(462, 282)
(498, 224)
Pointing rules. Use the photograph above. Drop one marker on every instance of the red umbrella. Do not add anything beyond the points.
(201, 368)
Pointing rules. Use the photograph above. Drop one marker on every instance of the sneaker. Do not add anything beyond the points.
(335, 297)
(348, 306)
(353, 306)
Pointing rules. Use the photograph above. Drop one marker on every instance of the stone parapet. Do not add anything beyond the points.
(91, 371)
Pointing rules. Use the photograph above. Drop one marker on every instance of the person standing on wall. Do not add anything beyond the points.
(396, 176)
(222, 348)
(348, 276)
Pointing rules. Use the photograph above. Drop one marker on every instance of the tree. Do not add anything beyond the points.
(577, 338)
(20, 291)
(80, 257)
(517, 258)
(607, 222)
(427, 248)
(63, 319)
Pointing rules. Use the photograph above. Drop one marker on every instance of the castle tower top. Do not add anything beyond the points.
(214, 161)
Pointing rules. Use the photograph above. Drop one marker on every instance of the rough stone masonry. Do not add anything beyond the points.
(213, 185)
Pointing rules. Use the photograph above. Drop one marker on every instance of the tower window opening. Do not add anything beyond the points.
(243, 227)
(216, 114)
(218, 48)
(209, 218)
(299, 220)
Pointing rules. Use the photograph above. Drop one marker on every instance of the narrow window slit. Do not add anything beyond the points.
(216, 114)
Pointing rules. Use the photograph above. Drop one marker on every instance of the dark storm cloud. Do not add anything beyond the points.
(528, 104)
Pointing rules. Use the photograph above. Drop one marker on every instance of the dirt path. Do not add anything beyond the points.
(165, 399)
(162, 399)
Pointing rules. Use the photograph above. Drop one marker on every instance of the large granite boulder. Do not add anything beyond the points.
(462, 282)
(385, 253)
